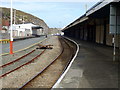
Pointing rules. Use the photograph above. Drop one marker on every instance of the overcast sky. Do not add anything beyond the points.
(57, 13)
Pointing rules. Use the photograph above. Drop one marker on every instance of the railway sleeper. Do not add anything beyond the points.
(44, 46)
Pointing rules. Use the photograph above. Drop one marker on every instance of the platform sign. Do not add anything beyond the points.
(114, 19)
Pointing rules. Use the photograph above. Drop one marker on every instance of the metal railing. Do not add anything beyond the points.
(4, 41)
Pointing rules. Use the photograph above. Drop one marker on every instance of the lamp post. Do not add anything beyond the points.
(11, 31)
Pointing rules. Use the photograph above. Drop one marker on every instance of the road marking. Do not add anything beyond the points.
(15, 45)
(25, 48)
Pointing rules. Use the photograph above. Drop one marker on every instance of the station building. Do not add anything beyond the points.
(100, 24)
(28, 29)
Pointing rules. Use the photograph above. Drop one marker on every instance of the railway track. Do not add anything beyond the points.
(46, 69)
(20, 62)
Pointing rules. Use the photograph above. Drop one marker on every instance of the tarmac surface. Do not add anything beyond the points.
(21, 44)
(93, 68)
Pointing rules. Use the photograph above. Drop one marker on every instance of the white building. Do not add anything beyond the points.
(28, 29)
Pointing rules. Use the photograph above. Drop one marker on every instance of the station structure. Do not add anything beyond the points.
(27, 29)
(100, 24)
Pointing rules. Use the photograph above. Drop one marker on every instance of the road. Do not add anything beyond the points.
(18, 45)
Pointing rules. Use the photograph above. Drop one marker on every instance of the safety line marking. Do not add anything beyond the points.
(24, 48)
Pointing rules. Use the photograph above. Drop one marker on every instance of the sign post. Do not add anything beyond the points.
(114, 25)
(11, 31)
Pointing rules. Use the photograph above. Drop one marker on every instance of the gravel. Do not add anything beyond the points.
(48, 78)
(21, 61)
(17, 78)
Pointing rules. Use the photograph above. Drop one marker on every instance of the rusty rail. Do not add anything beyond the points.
(23, 64)
(41, 70)
(16, 59)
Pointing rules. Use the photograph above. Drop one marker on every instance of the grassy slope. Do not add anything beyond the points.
(20, 14)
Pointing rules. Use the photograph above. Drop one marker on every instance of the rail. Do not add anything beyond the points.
(3, 66)
(44, 69)
(68, 66)
(16, 59)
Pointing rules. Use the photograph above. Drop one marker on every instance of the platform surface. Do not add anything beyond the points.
(93, 68)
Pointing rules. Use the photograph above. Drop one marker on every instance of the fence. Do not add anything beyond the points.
(4, 41)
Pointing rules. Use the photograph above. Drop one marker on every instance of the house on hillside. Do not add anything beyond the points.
(4, 26)
(28, 29)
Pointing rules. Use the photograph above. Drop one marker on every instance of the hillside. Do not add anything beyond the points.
(20, 16)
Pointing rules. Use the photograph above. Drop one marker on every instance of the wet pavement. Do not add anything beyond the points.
(93, 68)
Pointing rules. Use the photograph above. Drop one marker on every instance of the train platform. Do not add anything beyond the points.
(93, 68)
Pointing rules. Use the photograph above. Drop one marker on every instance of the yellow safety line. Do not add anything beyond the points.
(24, 48)
(4, 39)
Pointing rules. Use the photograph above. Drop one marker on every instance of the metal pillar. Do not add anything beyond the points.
(11, 32)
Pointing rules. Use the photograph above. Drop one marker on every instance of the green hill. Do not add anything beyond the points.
(20, 16)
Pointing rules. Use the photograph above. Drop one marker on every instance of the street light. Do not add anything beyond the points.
(11, 32)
